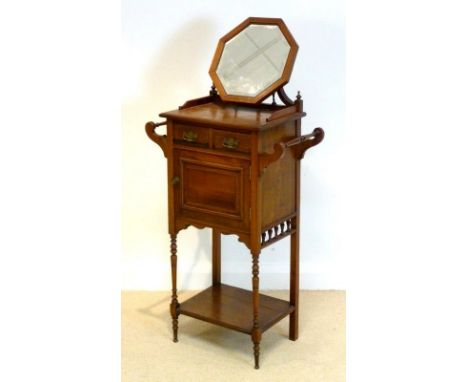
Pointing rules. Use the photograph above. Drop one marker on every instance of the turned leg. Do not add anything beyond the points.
(174, 307)
(256, 333)
(216, 242)
(294, 284)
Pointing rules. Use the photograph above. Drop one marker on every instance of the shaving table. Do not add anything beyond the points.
(233, 165)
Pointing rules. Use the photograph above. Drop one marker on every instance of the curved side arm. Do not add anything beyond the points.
(161, 140)
(300, 145)
(308, 141)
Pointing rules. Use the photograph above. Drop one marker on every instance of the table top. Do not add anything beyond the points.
(229, 115)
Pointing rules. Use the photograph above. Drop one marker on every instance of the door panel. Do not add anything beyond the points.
(212, 189)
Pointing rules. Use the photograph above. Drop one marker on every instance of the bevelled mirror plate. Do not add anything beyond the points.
(253, 60)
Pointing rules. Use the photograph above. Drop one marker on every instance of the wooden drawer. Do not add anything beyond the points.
(230, 141)
(191, 135)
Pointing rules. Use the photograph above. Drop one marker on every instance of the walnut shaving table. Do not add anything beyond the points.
(234, 166)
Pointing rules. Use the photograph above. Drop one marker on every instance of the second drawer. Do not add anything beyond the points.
(230, 141)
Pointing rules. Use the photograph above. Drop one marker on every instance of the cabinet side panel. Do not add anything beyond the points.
(278, 180)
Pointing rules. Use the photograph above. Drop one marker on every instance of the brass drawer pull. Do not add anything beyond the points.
(190, 136)
(231, 143)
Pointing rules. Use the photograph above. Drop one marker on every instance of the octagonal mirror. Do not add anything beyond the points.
(253, 60)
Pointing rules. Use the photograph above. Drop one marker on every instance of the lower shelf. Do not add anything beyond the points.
(232, 308)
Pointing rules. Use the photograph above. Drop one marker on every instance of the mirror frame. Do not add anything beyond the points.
(283, 80)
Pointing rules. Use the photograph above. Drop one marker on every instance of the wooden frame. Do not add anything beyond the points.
(274, 86)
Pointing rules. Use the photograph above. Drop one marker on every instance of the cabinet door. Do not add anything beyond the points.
(211, 190)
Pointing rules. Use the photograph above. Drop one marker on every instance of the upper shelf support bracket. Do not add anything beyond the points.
(299, 146)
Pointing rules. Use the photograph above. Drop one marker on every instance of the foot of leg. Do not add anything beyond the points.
(256, 348)
(175, 327)
(293, 326)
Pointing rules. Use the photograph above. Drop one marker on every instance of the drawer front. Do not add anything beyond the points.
(191, 135)
(230, 141)
(212, 190)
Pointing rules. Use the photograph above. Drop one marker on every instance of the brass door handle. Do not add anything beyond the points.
(231, 143)
(190, 136)
(175, 181)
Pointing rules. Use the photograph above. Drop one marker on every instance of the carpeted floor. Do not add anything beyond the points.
(206, 352)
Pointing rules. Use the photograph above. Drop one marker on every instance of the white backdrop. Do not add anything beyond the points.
(167, 51)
